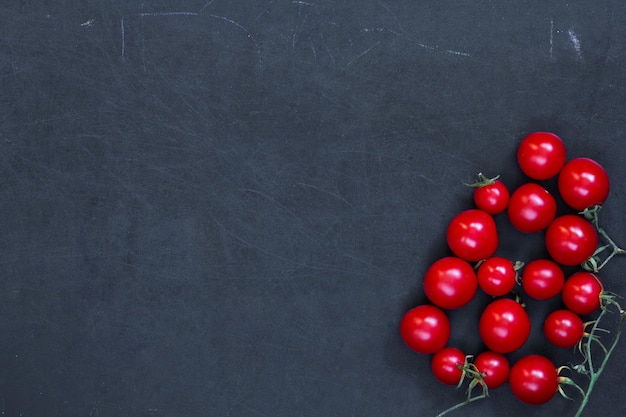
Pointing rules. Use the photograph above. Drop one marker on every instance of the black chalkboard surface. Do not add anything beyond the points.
(224, 208)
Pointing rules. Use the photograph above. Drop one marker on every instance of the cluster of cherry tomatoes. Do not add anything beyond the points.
(451, 282)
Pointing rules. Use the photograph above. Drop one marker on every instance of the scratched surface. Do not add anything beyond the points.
(224, 208)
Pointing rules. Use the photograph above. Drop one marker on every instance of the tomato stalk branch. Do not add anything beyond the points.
(589, 370)
(469, 371)
(464, 403)
(595, 263)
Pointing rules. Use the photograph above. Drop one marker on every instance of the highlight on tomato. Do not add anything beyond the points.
(541, 155)
(495, 368)
(450, 283)
(571, 240)
(496, 276)
(531, 208)
(563, 328)
(490, 194)
(542, 279)
(583, 183)
(582, 293)
(472, 235)
(534, 379)
(445, 365)
(504, 326)
(425, 329)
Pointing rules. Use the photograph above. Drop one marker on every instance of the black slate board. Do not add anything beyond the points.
(224, 208)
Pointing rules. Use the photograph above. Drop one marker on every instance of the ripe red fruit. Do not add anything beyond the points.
(425, 329)
(571, 240)
(583, 183)
(531, 208)
(472, 235)
(541, 155)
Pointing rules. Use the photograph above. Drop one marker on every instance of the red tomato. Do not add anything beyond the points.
(492, 198)
(541, 155)
(563, 328)
(534, 379)
(496, 276)
(495, 366)
(531, 208)
(571, 240)
(581, 293)
(583, 183)
(444, 365)
(425, 329)
(542, 279)
(450, 283)
(504, 326)
(472, 235)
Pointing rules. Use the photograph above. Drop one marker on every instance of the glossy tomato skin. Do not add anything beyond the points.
(583, 183)
(450, 283)
(541, 155)
(425, 329)
(531, 208)
(563, 328)
(492, 198)
(542, 279)
(504, 326)
(571, 240)
(534, 379)
(495, 366)
(444, 365)
(472, 235)
(496, 276)
(581, 293)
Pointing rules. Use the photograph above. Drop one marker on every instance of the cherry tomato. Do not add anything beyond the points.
(472, 235)
(571, 240)
(425, 329)
(581, 293)
(542, 279)
(495, 366)
(492, 197)
(534, 379)
(531, 208)
(504, 326)
(450, 283)
(583, 183)
(444, 365)
(541, 155)
(496, 276)
(563, 328)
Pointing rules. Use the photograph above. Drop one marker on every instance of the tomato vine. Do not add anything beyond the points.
(571, 240)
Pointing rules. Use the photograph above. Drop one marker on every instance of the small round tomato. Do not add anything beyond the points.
(581, 293)
(571, 240)
(531, 208)
(583, 183)
(563, 328)
(495, 366)
(450, 283)
(534, 379)
(493, 197)
(425, 329)
(496, 276)
(541, 155)
(445, 365)
(542, 279)
(504, 326)
(472, 235)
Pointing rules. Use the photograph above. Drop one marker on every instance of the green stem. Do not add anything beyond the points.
(594, 375)
(616, 250)
(591, 214)
(464, 403)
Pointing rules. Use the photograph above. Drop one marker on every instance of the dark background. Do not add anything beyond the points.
(224, 208)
